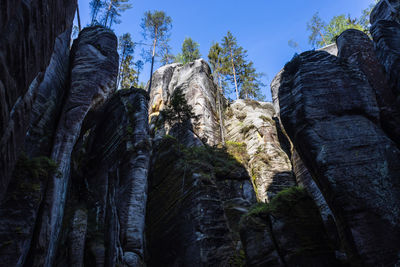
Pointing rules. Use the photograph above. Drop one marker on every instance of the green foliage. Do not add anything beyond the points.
(190, 51)
(237, 70)
(113, 11)
(156, 26)
(95, 7)
(37, 168)
(238, 151)
(178, 110)
(323, 33)
(127, 75)
(246, 129)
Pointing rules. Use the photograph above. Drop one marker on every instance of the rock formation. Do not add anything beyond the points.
(252, 123)
(91, 176)
(23, 60)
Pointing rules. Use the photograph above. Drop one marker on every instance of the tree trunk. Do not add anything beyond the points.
(323, 39)
(78, 17)
(108, 12)
(234, 73)
(152, 61)
(221, 123)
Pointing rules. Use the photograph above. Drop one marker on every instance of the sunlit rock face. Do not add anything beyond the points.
(200, 91)
(253, 124)
(26, 47)
(329, 110)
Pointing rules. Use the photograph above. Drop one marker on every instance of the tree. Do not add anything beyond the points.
(126, 75)
(252, 84)
(164, 54)
(179, 111)
(316, 26)
(139, 67)
(156, 26)
(190, 51)
(323, 34)
(216, 60)
(236, 55)
(113, 12)
(95, 7)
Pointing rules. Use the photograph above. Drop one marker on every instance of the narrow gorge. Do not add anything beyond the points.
(95, 176)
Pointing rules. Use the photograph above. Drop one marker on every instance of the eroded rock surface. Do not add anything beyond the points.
(200, 91)
(252, 123)
(94, 69)
(28, 33)
(330, 113)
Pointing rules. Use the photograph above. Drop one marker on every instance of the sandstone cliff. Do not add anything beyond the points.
(91, 176)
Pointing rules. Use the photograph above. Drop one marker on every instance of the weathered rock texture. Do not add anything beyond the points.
(287, 232)
(94, 65)
(25, 191)
(358, 49)
(330, 113)
(196, 198)
(197, 84)
(105, 215)
(28, 33)
(252, 123)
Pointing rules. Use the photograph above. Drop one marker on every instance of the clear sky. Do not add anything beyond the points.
(262, 27)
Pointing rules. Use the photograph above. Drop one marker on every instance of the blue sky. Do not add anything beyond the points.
(262, 27)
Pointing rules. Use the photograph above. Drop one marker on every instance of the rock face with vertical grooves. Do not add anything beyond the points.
(93, 73)
(200, 91)
(252, 123)
(358, 49)
(43, 122)
(28, 33)
(196, 198)
(108, 195)
(329, 111)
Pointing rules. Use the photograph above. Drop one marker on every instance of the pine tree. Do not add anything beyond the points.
(95, 7)
(216, 59)
(127, 74)
(156, 26)
(139, 67)
(165, 53)
(234, 54)
(113, 12)
(190, 51)
(252, 84)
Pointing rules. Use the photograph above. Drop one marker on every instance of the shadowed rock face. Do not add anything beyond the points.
(330, 113)
(25, 192)
(93, 74)
(28, 33)
(105, 214)
(196, 198)
(358, 49)
(251, 122)
(200, 91)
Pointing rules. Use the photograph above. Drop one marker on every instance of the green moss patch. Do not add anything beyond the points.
(37, 168)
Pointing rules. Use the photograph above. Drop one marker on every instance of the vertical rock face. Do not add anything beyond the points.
(105, 215)
(358, 49)
(196, 198)
(93, 75)
(28, 32)
(385, 30)
(200, 91)
(252, 123)
(25, 191)
(330, 113)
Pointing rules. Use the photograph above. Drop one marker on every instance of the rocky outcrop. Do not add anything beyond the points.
(28, 33)
(195, 80)
(288, 231)
(252, 123)
(196, 198)
(20, 207)
(105, 214)
(357, 48)
(330, 113)
(93, 75)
